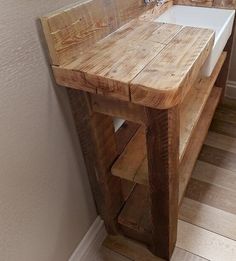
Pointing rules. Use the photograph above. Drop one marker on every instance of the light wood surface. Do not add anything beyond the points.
(174, 71)
(128, 62)
(73, 29)
(197, 138)
(129, 216)
(119, 109)
(191, 108)
(205, 243)
(139, 170)
(162, 140)
(190, 113)
(207, 217)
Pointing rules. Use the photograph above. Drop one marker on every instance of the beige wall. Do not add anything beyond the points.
(45, 201)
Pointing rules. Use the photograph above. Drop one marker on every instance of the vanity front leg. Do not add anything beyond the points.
(162, 139)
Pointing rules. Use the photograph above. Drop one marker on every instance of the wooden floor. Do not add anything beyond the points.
(207, 219)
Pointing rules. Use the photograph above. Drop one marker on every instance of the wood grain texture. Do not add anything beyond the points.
(113, 62)
(215, 175)
(119, 109)
(97, 138)
(197, 139)
(162, 138)
(73, 29)
(137, 157)
(124, 134)
(193, 105)
(120, 65)
(138, 252)
(212, 195)
(218, 157)
(205, 243)
(132, 157)
(207, 217)
(174, 71)
(208, 210)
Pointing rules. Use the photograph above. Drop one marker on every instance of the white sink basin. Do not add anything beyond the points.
(220, 20)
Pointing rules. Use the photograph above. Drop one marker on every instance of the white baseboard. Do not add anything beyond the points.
(88, 248)
(231, 89)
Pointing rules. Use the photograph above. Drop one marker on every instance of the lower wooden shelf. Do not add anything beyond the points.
(135, 217)
(132, 163)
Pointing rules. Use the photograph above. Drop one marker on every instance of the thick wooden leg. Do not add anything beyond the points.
(97, 138)
(163, 160)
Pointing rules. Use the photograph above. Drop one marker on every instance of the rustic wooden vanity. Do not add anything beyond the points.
(118, 62)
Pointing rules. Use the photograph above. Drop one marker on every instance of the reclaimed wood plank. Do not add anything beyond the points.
(162, 141)
(119, 109)
(132, 157)
(73, 29)
(193, 105)
(194, 146)
(124, 134)
(172, 70)
(114, 62)
(139, 172)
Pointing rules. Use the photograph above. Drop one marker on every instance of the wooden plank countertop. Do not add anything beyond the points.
(144, 62)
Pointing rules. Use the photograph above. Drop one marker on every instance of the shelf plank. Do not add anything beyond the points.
(194, 146)
(193, 105)
(133, 155)
(132, 164)
(135, 217)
